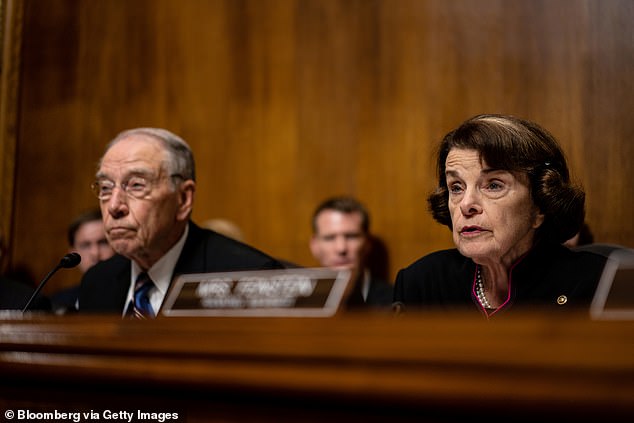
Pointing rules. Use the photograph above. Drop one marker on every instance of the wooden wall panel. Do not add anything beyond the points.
(286, 102)
(606, 126)
(10, 49)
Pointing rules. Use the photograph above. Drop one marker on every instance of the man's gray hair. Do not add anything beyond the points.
(181, 158)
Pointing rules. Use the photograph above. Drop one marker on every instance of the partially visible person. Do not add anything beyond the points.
(231, 229)
(86, 236)
(225, 227)
(583, 237)
(505, 192)
(584, 241)
(145, 184)
(341, 240)
(14, 295)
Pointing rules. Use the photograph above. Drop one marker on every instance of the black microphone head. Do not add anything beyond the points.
(70, 260)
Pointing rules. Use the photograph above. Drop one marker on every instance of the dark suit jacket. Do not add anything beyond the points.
(64, 300)
(444, 280)
(380, 295)
(14, 296)
(105, 286)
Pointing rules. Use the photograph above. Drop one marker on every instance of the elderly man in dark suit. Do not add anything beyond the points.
(146, 184)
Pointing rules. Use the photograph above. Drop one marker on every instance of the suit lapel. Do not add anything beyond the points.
(192, 258)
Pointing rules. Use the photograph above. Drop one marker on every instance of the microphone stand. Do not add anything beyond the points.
(69, 260)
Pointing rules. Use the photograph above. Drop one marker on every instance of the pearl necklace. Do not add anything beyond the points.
(480, 290)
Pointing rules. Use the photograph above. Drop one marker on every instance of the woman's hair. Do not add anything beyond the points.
(517, 145)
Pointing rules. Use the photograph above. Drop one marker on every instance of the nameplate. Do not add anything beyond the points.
(297, 292)
(614, 297)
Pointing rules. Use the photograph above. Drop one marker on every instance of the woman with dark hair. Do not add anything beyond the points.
(505, 192)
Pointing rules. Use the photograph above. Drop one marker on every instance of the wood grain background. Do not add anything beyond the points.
(286, 102)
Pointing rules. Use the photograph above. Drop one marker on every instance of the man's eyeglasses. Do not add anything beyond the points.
(135, 187)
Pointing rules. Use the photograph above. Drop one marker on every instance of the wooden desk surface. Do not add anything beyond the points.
(353, 367)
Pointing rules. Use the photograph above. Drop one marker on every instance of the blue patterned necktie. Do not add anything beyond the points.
(141, 307)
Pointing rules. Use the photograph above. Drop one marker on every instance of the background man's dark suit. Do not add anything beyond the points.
(14, 296)
(380, 295)
(105, 286)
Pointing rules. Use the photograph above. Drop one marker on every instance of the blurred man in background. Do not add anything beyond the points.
(87, 237)
(341, 240)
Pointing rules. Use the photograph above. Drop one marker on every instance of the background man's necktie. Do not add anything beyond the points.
(141, 307)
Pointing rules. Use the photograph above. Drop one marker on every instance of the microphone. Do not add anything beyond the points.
(68, 261)
(398, 307)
